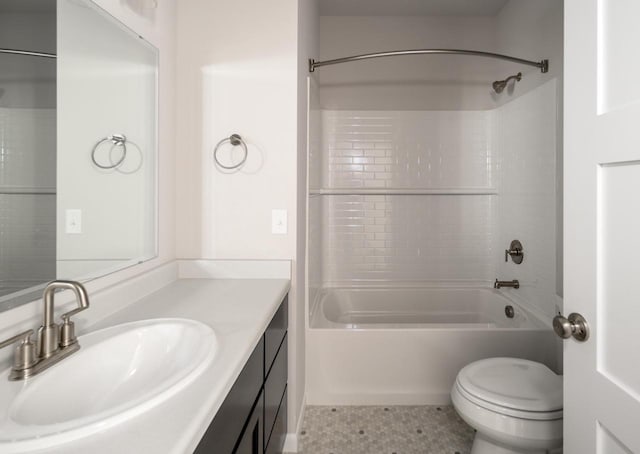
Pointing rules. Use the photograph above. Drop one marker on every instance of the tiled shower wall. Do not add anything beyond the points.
(526, 204)
(508, 152)
(27, 220)
(314, 209)
(27, 148)
(433, 149)
(425, 238)
(398, 238)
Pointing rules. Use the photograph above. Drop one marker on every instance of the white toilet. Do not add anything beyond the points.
(514, 404)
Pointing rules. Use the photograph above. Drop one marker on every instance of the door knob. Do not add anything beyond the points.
(575, 325)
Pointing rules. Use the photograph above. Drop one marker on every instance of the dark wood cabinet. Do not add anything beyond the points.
(252, 418)
(274, 336)
(274, 388)
(279, 431)
(251, 441)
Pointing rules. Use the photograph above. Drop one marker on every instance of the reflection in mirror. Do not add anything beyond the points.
(27, 147)
(77, 146)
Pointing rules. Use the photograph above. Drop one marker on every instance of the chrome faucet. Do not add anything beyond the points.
(513, 284)
(55, 342)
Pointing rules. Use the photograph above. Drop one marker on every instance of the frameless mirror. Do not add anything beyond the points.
(78, 147)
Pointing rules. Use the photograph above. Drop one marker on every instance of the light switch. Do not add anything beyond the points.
(73, 221)
(279, 222)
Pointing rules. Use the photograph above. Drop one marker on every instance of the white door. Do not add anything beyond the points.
(602, 225)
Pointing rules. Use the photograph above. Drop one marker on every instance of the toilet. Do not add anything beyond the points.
(514, 404)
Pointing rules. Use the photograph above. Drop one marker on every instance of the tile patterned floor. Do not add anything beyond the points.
(384, 430)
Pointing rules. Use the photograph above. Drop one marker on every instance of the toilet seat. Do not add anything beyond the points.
(514, 387)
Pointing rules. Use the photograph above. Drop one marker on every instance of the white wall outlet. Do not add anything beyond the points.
(279, 222)
(73, 221)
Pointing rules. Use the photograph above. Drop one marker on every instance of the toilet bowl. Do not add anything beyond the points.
(514, 404)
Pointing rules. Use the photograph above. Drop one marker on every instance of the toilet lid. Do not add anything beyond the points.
(513, 383)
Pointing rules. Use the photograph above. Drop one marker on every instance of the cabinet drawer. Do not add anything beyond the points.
(274, 388)
(279, 432)
(222, 434)
(274, 334)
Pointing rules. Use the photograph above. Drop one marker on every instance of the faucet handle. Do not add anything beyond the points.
(67, 315)
(25, 354)
(515, 251)
(67, 330)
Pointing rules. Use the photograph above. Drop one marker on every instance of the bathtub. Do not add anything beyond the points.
(404, 346)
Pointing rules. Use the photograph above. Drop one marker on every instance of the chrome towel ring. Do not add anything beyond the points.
(234, 140)
(118, 140)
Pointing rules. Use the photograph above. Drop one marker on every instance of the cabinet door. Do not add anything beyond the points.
(223, 433)
(274, 390)
(279, 432)
(274, 334)
(251, 441)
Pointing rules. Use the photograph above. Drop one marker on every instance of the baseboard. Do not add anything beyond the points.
(291, 444)
(381, 398)
(291, 441)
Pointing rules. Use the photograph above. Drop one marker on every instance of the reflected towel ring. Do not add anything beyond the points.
(234, 140)
(118, 140)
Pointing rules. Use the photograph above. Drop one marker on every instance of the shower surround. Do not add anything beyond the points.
(425, 199)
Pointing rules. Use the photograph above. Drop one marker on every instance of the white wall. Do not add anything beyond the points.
(531, 30)
(523, 28)
(245, 85)
(239, 71)
(441, 82)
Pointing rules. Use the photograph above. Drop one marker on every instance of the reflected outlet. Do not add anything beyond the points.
(73, 221)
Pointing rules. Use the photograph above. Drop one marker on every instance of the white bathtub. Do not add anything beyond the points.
(404, 346)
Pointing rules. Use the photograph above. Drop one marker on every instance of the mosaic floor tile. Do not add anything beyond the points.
(384, 430)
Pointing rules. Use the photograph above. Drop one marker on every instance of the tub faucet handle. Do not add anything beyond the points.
(515, 252)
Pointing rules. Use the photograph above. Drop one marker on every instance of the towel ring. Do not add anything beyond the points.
(234, 140)
(118, 140)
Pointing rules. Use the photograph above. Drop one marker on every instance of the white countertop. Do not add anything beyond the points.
(238, 310)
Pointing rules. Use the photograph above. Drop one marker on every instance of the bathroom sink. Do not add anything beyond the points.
(118, 373)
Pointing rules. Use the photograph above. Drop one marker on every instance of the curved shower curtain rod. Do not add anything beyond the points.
(543, 64)
(27, 52)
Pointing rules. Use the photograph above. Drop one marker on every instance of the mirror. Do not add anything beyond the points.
(78, 145)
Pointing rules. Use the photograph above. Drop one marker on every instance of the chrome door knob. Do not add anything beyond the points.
(575, 325)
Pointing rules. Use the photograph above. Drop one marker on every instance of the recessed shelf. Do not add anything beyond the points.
(404, 191)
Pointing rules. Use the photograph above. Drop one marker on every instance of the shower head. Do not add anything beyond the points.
(500, 85)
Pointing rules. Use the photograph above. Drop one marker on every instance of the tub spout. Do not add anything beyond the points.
(513, 284)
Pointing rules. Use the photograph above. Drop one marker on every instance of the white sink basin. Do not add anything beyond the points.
(118, 373)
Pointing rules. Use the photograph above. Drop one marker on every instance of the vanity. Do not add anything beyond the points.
(252, 418)
(235, 402)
